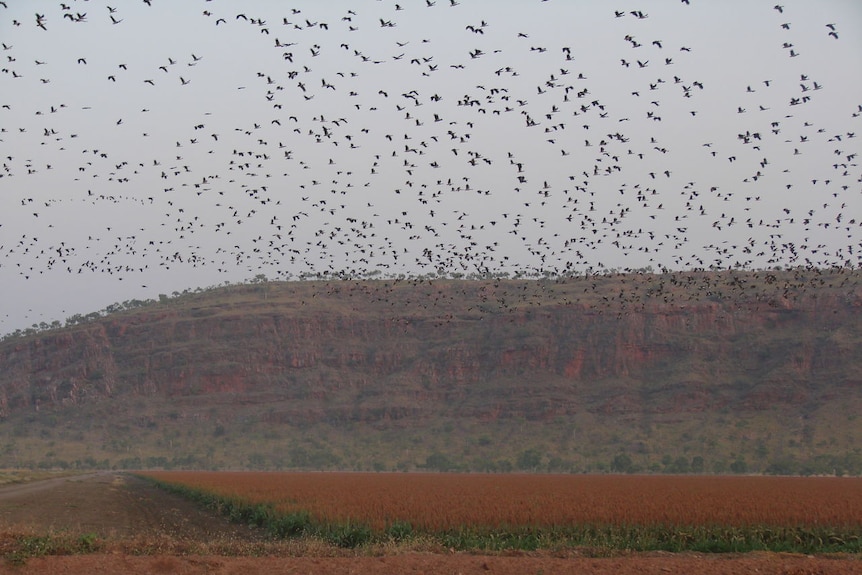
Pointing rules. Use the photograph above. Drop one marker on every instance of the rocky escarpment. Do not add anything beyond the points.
(389, 353)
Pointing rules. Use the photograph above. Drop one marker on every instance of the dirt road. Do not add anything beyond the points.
(140, 529)
(111, 505)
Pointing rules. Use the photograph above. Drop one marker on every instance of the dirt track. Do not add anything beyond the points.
(131, 516)
(111, 505)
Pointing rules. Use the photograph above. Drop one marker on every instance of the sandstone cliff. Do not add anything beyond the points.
(397, 354)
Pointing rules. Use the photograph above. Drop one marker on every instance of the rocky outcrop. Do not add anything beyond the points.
(380, 352)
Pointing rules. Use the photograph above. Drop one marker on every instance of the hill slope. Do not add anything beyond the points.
(713, 371)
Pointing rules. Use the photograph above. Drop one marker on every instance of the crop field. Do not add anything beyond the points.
(706, 513)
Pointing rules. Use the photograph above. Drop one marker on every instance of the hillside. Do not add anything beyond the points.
(676, 372)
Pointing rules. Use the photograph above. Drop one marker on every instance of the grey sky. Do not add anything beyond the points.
(191, 144)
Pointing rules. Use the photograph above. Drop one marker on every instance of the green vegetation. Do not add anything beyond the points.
(177, 434)
(28, 546)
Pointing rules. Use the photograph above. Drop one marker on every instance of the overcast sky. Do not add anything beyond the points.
(151, 147)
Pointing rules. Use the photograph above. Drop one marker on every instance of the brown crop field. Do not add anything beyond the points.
(532, 511)
(114, 522)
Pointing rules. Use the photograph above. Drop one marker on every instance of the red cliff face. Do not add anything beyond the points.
(61, 368)
(357, 357)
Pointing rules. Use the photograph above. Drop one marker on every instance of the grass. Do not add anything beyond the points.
(594, 539)
(18, 547)
(18, 544)
(298, 535)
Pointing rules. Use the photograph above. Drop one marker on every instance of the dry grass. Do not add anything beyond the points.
(13, 476)
(21, 542)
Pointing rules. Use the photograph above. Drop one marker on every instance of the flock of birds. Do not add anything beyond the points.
(217, 141)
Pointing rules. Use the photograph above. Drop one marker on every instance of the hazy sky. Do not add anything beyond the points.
(150, 147)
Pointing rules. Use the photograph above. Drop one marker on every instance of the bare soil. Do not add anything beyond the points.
(137, 528)
(112, 506)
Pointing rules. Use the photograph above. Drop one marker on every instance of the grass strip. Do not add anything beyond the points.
(18, 548)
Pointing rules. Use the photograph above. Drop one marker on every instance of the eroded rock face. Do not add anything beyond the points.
(395, 352)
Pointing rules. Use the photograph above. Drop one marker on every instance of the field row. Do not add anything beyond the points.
(445, 502)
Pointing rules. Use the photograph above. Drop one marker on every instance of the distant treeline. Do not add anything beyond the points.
(803, 276)
(849, 464)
